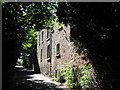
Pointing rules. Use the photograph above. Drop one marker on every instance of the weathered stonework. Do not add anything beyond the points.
(54, 49)
(59, 51)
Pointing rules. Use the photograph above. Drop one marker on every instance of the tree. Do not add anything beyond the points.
(20, 23)
(97, 26)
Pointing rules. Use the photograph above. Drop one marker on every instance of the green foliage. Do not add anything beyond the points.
(70, 73)
(19, 62)
(97, 27)
(30, 39)
(21, 20)
(84, 79)
(52, 22)
(20, 23)
(67, 72)
(66, 75)
(60, 76)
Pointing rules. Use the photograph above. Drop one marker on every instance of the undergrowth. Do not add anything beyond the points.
(74, 77)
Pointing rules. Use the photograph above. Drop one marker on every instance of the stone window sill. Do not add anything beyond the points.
(40, 60)
(52, 31)
(58, 56)
(42, 42)
(61, 28)
(48, 60)
(48, 39)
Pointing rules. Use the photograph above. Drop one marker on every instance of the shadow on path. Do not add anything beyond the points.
(25, 79)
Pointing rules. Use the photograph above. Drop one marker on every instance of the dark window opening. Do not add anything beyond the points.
(47, 33)
(52, 31)
(61, 28)
(58, 51)
(39, 40)
(42, 36)
(48, 53)
(41, 56)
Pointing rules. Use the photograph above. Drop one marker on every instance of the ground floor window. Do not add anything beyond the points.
(58, 50)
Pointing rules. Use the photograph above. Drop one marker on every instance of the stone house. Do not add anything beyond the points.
(53, 49)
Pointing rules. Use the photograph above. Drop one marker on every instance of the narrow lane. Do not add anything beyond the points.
(25, 79)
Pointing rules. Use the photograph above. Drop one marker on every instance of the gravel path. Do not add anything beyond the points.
(25, 79)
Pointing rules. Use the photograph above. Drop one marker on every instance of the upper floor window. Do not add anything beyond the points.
(42, 35)
(61, 28)
(47, 33)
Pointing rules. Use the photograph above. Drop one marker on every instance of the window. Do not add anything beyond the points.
(48, 51)
(42, 35)
(48, 54)
(58, 51)
(52, 31)
(39, 40)
(47, 33)
(61, 28)
(41, 56)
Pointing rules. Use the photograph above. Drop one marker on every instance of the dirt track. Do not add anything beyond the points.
(25, 79)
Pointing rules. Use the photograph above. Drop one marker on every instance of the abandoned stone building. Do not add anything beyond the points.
(53, 49)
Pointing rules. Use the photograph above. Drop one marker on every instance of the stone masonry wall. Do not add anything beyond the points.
(42, 45)
(67, 52)
(59, 36)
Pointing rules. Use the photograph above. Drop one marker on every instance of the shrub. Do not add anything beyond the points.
(74, 77)
(20, 62)
(60, 76)
(84, 78)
